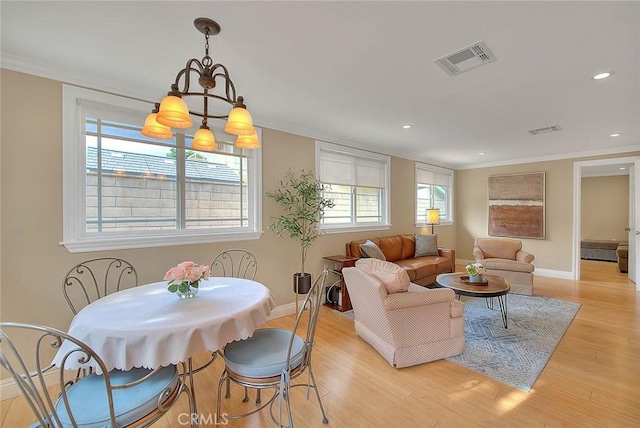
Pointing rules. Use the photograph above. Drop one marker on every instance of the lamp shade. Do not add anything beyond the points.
(204, 140)
(239, 122)
(153, 129)
(433, 216)
(174, 113)
(248, 141)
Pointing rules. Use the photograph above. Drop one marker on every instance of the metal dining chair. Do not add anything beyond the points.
(118, 398)
(95, 278)
(272, 358)
(235, 263)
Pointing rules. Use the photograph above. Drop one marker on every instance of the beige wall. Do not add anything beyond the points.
(33, 261)
(554, 252)
(605, 207)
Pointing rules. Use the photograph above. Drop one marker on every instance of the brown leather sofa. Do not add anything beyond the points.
(401, 249)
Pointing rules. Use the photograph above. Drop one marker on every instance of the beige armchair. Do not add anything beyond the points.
(406, 328)
(504, 257)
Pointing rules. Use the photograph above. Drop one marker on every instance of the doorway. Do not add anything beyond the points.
(602, 168)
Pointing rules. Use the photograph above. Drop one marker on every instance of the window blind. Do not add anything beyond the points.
(350, 170)
(432, 177)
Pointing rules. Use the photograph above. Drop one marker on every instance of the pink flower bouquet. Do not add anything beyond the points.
(185, 275)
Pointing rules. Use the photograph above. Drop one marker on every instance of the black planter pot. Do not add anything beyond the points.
(301, 283)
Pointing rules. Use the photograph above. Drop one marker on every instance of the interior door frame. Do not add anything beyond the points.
(578, 168)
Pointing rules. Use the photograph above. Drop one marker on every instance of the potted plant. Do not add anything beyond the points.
(302, 202)
(475, 271)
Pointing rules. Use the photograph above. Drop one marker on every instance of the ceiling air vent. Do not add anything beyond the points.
(544, 130)
(466, 59)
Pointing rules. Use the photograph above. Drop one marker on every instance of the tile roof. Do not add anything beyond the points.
(145, 165)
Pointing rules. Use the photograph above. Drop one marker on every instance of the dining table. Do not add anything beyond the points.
(149, 327)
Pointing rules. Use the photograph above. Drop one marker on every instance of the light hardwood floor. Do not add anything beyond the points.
(592, 379)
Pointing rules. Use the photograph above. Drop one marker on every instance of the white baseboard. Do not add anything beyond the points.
(538, 272)
(283, 311)
(562, 274)
(9, 389)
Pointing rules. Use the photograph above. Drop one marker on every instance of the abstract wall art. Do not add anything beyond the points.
(517, 206)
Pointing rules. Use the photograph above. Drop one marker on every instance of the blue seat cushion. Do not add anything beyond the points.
(264, 354)
(89, 403)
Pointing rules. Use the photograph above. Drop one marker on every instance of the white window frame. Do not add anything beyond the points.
(75, 237)
(440, 170)
(385, 223)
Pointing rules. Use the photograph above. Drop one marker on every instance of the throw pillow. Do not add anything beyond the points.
(426, 245)
(370, 249)
(393, 277)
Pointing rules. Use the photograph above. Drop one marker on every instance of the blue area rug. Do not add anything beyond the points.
(516, 355)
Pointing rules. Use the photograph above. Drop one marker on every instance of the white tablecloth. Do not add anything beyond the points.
(149, 327)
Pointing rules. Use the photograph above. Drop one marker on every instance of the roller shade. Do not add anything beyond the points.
(432, 177)
(339, 168)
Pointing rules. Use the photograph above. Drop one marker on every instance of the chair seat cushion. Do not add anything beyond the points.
(509, 265)
(264, 354)
(88, 397)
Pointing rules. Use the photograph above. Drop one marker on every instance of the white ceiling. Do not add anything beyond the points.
(355, 72)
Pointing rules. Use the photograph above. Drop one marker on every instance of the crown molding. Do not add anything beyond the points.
(16, 63)
(572, 155)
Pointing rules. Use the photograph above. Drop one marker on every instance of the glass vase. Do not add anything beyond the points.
(190, 293)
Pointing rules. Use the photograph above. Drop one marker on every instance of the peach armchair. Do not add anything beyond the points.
(504, 257)
(407, 328)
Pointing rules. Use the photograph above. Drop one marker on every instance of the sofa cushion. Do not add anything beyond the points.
(392, 276)
(370, 249)
(510, 265)
(408, 246)
(426, 245)
(419, 268)
(391, 246)
(353, 247)
(499, 248)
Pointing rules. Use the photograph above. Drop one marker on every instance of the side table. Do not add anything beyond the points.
(337, 263)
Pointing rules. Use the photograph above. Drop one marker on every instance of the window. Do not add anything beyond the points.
(359, 183)
(434, 189)
(124, 190)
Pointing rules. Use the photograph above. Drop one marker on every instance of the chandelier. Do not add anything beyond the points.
(173, 112)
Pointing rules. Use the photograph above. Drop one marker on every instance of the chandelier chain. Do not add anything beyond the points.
(207, 60)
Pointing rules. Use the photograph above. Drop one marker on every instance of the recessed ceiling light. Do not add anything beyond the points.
(617, 134)
(406, 126)
(622, 168)
(604, 75)
(482, 153)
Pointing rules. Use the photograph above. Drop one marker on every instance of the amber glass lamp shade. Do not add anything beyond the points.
(248, 141)
(153, 129)
(174, 113)
(239, 122)
(204, 140)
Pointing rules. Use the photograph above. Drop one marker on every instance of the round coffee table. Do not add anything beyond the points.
(496, 286)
